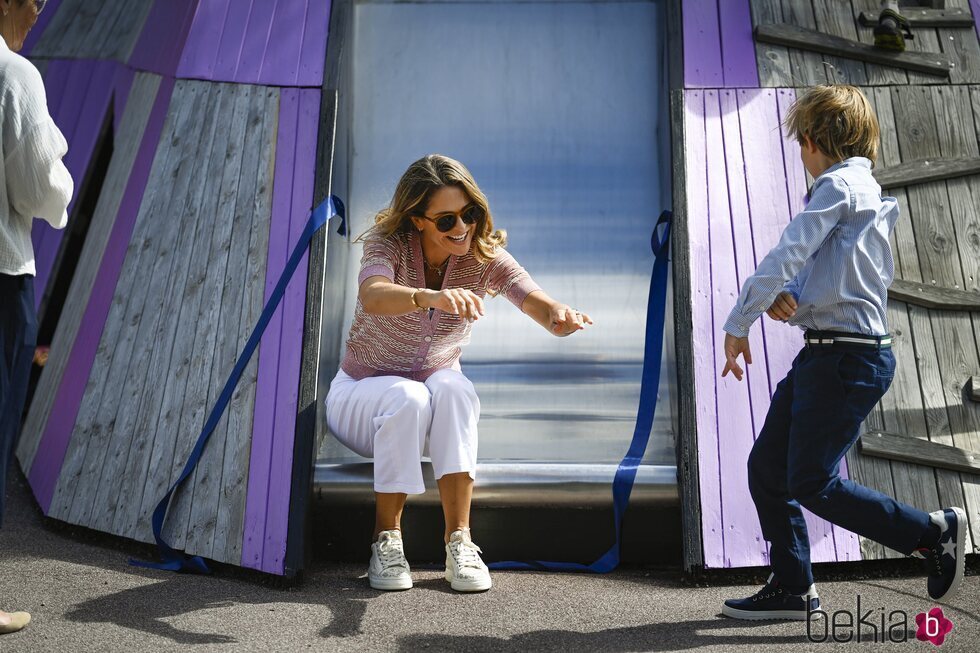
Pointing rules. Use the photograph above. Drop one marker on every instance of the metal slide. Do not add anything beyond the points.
(560, 111)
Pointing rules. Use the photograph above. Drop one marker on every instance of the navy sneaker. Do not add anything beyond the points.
(946, 558)
(773, 602)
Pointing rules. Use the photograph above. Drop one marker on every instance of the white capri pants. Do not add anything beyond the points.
(391, 419)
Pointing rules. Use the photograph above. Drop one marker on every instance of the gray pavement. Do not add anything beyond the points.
(84, 597)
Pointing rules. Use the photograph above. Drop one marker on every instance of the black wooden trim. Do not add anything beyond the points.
(808, 39)
(935, 297)
(919, 17)
(686, 444)
(304, 445)
(921, 172)
(675, 45)
(973, 388)
(881, 444)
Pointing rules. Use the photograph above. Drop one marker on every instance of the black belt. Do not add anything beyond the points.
(826, 338)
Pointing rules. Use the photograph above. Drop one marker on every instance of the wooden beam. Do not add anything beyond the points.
(882, 444)
(973, 388)
(911, 173)
(808, 39)
(935, 297)
(922, 17)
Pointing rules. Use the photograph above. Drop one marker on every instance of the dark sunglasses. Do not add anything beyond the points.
(39, 5)
(470, 215)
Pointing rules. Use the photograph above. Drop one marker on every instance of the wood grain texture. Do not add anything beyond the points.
(934, 297)
(919, 452)
(93, 29)
(923, 17)
(921, 172)
(804, 39)
(774, 64)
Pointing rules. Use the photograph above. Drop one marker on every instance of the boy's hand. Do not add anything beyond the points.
(783, 308)
(733, 347)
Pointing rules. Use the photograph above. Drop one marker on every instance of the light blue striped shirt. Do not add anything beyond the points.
(834, 257)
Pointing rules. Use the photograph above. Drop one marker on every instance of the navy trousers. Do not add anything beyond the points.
(18, 337)
(815, 417)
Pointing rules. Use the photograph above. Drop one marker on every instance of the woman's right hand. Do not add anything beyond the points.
(457, 301)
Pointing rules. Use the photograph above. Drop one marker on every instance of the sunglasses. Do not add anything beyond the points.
(39, 5)
(470, 215)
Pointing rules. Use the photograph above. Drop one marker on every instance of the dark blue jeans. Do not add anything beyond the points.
(815, 417)
(18, 337)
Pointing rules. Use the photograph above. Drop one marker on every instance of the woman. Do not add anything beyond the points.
(33, 183)
(428, 262)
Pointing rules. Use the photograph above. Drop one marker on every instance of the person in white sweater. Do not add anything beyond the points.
(34, 183)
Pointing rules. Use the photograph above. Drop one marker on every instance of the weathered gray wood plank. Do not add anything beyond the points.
(197, 221)
(798, 37)
(55, 34)
(257, 193)
(973, 388)
(919, 452)
(929, 296)
(962, 48)
(773, 60)
(128, 140)
(127, 481)
(834, 17)
(128, 383)
(923, 17)
(807, 68)
(226, 272)
(94, 29)
(877, 75)
(924, 171)
(88, 439)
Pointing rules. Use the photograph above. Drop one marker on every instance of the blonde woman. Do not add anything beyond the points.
(428, 262)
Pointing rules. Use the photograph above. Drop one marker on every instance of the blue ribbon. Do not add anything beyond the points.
(649, 384)
(171, 559)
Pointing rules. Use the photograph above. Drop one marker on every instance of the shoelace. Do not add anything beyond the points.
(767, 592)
(932, 559)
(391, 554)
(466, 554)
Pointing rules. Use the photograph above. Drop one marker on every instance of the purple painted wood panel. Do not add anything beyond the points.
(703, 334)
(243, 41)
(80, 120)
(975, 8)
(719, 50)
(44, 472)
(737, 45)
(702, 44)
(42, 22)
(164, 33)
(742, 535)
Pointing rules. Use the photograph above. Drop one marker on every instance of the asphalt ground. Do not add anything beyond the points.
(84, 597)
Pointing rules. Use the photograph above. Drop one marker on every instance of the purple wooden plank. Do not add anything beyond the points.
(264, 416)
(291, 343)
(737, 44)
(203, 41)
(702, 44)
(281, 60)
(38, 30)
(313, 52)
(164, 34)
(44, 472)
(257, 44)
(742, 537)
(975, 8)
(231, 48)
(702, 332)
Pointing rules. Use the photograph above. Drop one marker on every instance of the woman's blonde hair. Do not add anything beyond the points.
(415, 189)
(838, 119)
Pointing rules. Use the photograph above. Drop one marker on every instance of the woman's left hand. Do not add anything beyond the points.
(566, 320)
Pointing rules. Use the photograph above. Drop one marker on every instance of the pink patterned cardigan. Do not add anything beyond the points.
(416, 344)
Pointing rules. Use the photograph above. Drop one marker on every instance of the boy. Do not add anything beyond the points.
(829, 274)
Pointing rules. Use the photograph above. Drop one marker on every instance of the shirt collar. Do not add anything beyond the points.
(858, 161)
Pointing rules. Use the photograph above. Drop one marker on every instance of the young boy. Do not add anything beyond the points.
(829, 275)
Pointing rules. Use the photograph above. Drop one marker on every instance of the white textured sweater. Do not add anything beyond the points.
(34, 182)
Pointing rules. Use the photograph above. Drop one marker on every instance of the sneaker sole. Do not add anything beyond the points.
(763, 615)
(468, 585)
(390, 584)
(960, 555)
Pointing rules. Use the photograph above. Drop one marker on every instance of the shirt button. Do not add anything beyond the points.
(427, 338)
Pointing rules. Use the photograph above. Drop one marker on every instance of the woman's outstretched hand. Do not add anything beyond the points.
(566, 320)
(458, 301)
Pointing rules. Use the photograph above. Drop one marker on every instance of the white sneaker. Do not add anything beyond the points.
(389, 569)
(465, 570)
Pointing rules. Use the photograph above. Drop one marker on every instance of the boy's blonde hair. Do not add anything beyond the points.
(838, 119)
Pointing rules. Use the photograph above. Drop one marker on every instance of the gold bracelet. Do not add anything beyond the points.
(415, 301)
